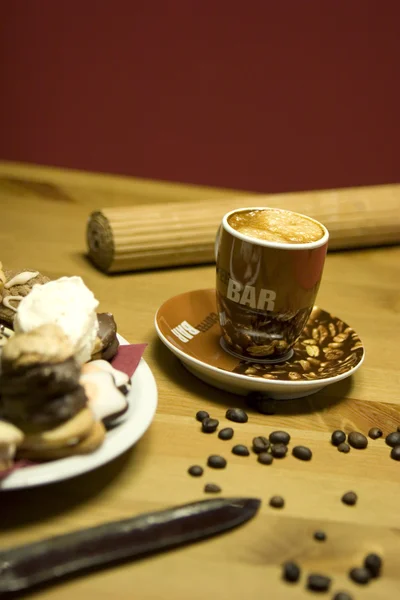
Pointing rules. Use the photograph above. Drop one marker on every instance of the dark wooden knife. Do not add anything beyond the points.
(50, 560)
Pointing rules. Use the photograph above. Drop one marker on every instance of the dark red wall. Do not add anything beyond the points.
(266, 95)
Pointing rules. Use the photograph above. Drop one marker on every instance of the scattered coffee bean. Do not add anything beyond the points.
(209, 425)
(201, 415)
(373, 563)
(320, 536)
(240, 450)
(360, 575)
(279, 437)
(277, 502)
(344, 447)
(349, 498)
(342, 596)
(237, 415)
(302, 453)
(260, 444)
(338, 437)
(318, 583)
(226, 433)
(395, 453)
(265, 458)
(216, 462)
(195, 470)
(375, 433)
(279, 450)
(212, 488)
(393, 439)
(262, 404)
(291, 572)
(357, 440)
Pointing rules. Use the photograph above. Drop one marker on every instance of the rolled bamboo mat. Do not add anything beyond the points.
(176, 233)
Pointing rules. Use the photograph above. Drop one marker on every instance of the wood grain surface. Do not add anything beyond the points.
(43, 219)
(130, 238)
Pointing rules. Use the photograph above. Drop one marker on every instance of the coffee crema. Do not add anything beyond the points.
(275, 225)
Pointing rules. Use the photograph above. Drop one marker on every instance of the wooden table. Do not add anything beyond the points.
(43, 218)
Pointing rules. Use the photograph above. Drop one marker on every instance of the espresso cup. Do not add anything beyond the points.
(269, 267)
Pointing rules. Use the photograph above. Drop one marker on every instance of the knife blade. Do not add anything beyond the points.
(50, 560)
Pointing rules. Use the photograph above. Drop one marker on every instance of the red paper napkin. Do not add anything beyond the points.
(128, 358)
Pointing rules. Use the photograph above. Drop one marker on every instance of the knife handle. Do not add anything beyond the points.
(54, 558)
(49, 560)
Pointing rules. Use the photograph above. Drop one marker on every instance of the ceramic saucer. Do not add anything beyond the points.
(328, 350)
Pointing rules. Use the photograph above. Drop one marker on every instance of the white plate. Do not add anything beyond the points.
(142, 406)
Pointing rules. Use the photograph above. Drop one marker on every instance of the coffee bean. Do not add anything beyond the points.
(291, 572)
(279, 450)
(357, 440)
(360, 575)
(195, 470)
(318, 583)
(375, 433)
(265, 458)
(201, 415)
(302, 453)
(260, 444)
(212, 488)
(277, 502)
(240, 450)
(226, 433)
(349, 498)
(216, 462)
(342, 596)
(373, 563)
(261, 403)
(279, 437)
(338, 437)
(395, 453)
(320, 536)
(209, 425)
(344, 447)
(393, 439)
(237, 415)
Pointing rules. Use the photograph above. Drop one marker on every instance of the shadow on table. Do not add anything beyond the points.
(26, 506)
(174, 370)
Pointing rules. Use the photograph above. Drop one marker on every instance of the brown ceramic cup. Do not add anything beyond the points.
(265, 288)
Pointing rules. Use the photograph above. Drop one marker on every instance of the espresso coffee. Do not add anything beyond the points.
(269, 267)
(275, 225)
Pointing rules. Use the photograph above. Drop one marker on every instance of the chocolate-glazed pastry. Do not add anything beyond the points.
(32, 416)
(40, 380)
(44, 380)
(108, 343)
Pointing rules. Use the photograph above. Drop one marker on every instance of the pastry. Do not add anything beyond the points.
(121, 379)
(104, 398)
(65, 302)
(107, 344)
(69, 433)
(14, 286)
(40, 379)
(10, 438)
(5, 335)
(87, 445)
